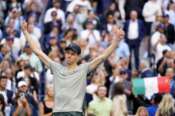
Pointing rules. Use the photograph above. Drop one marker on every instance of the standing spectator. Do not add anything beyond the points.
(169, 32)
(102, 106)
(7, 94)
(171, 13)
(134, 34)
(119, 98)
(166, 106)
(121, 6)
(150, 10)
(134, 5)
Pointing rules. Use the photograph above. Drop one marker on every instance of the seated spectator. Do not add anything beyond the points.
(142, 111)
(170, 74)
(146, 71)
(32, 58)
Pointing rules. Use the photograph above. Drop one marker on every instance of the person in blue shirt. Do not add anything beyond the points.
(155, 100)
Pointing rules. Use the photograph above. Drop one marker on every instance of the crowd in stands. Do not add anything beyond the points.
(147, 50)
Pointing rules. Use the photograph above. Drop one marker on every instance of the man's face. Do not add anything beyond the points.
(3, 83)
(133, 15)
(71, 57)
(101, 92)
(23, 88)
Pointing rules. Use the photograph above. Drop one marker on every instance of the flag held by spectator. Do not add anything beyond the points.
(149, 86)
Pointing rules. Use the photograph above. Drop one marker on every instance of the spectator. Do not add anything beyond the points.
(171, 13)
(121, 6)
(161, 46)
(170, 74)
(7, 94)
(30, 77)
(119, 98)
(155, 100)
(55, 22)
(32, 58)
(169, 32)
(142, 111)
(83, 3)
(102, 106)
(25, 103)
(134, 35)
(151, 9)
(166, 106)
(91, 35)
(145, 70)
(47, 105)
(60, 13)
(2, 105)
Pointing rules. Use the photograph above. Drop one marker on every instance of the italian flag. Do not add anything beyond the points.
(150, 86)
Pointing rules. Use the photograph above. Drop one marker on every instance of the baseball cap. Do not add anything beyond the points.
(22, 83)
(74, 47)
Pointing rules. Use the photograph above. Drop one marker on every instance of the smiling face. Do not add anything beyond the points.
(101, 92)
(71, 57)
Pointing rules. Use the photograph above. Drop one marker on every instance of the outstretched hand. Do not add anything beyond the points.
(24, 26)
(117, 33)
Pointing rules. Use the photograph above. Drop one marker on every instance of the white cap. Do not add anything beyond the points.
(22, 83)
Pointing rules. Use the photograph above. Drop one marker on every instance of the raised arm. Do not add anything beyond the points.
(117, 35)
(34, 45)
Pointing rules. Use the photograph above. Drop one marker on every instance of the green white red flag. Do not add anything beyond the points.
(150, 86)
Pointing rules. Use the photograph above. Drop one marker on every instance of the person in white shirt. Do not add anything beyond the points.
(91, 35)
(161, 46)
(60, 13)
(134, 29)
(151, 9)
(171, 14)
(84, 3)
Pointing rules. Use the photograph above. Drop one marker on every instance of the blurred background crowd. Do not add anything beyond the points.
(147, 50)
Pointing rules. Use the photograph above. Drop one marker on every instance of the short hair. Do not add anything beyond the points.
(3, 77)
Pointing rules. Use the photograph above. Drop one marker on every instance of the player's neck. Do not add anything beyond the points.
(72, 66)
